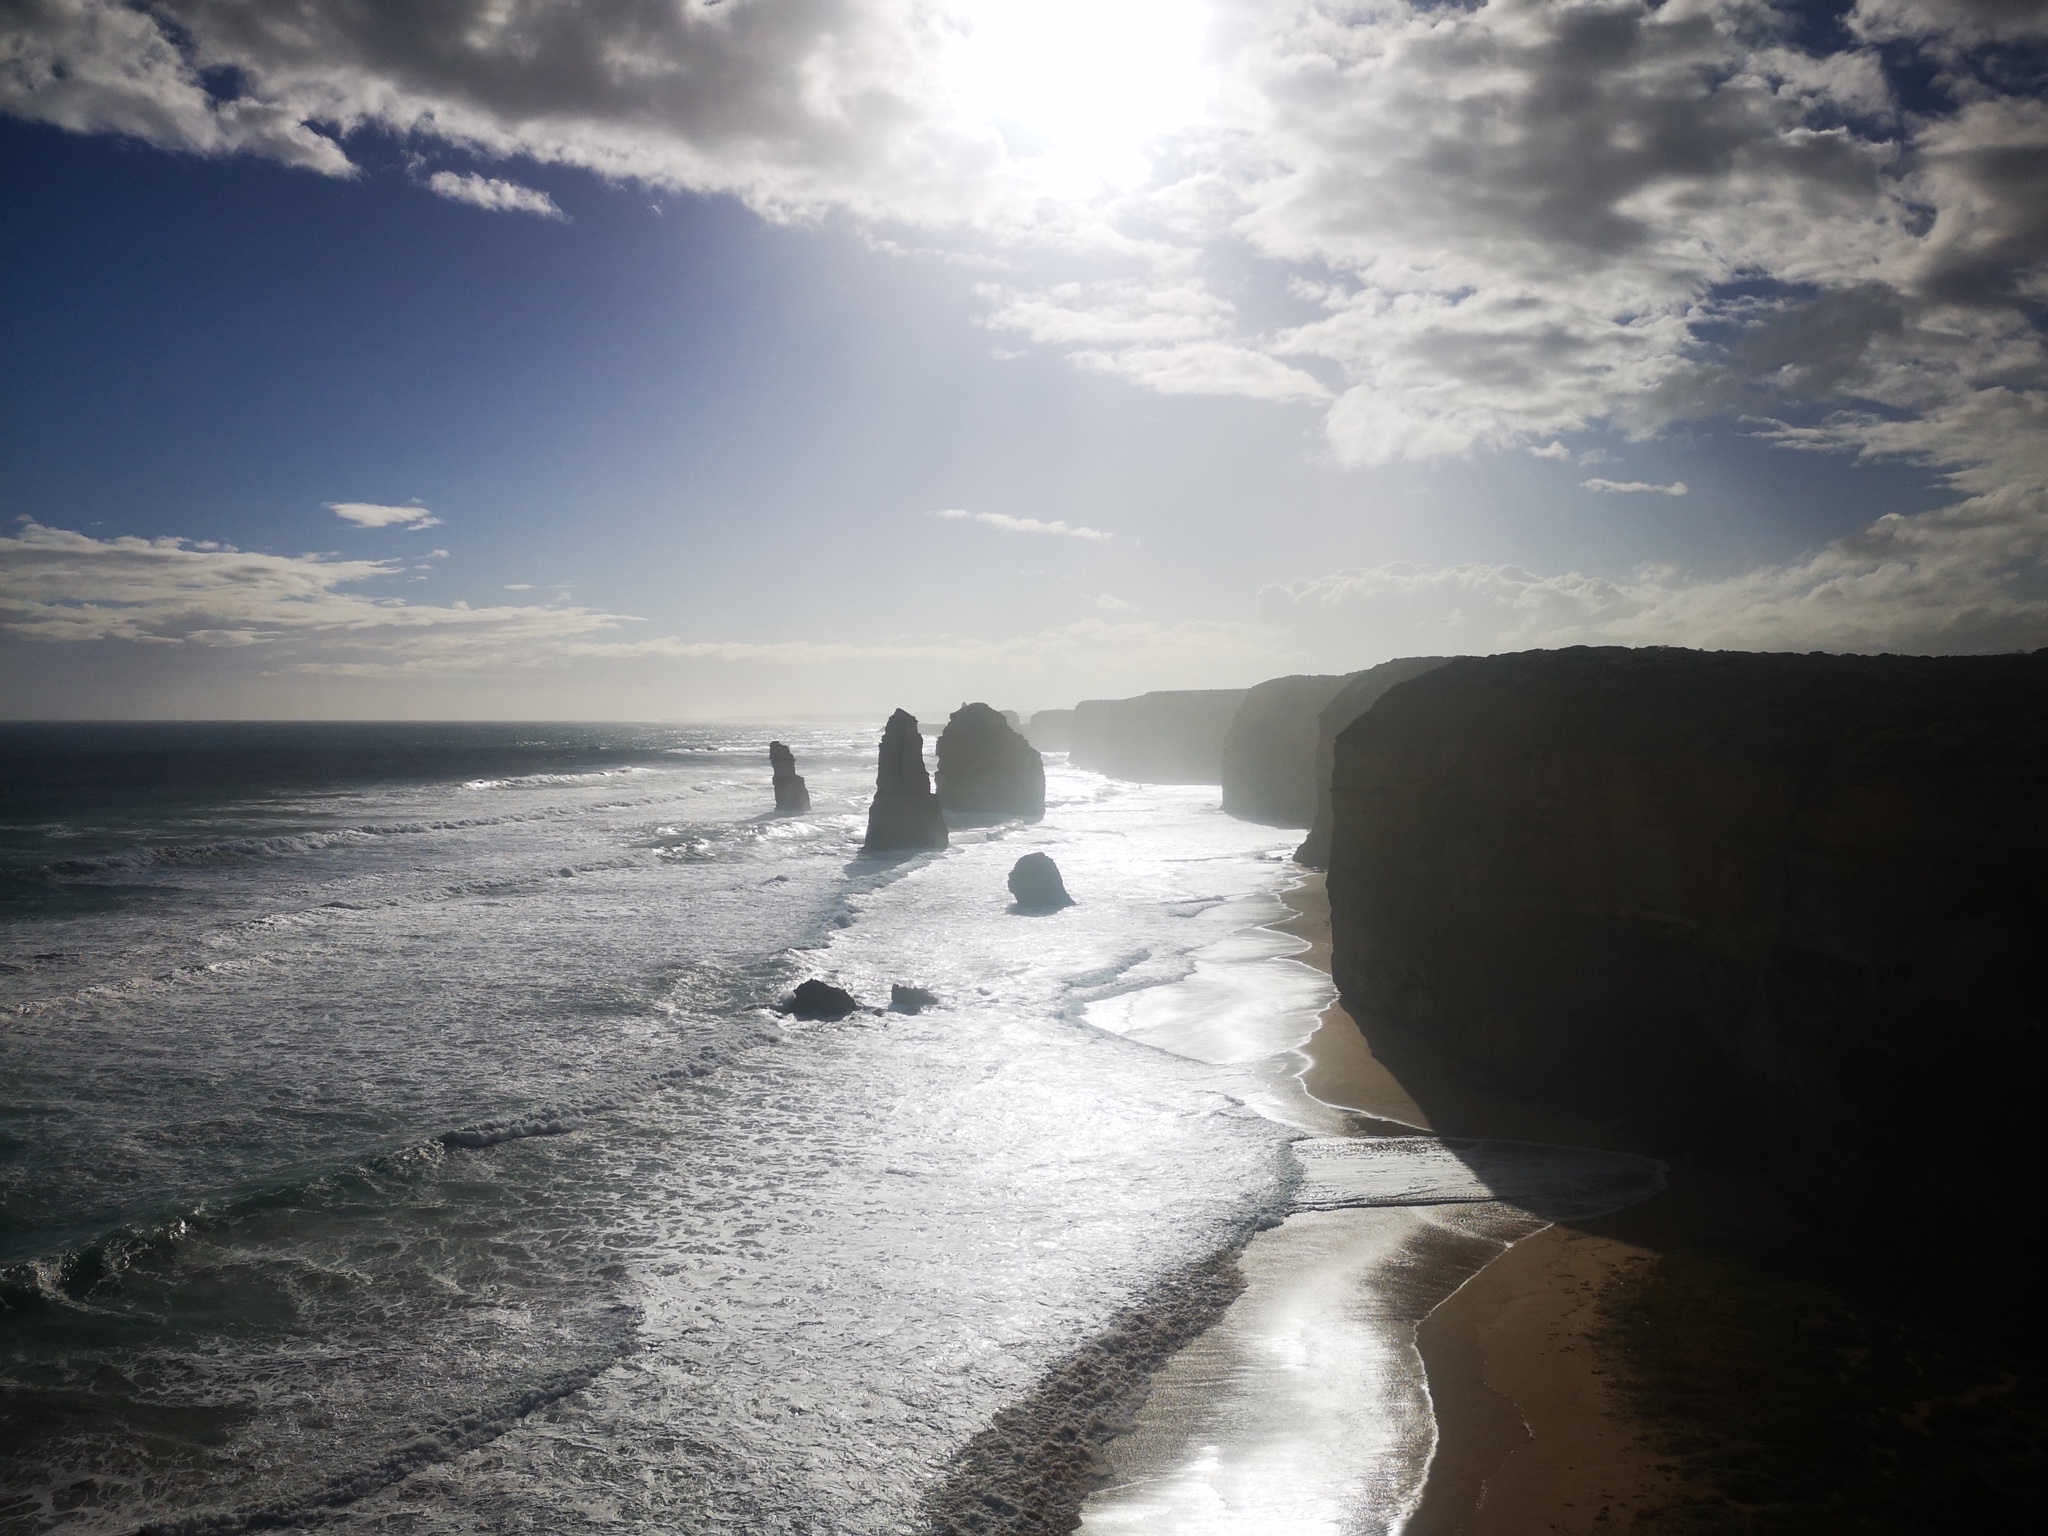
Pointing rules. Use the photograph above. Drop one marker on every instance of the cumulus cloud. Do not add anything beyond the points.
(489, 192)
(60, 586)
(1008, 524)
(1675, 488)
(369, 514)
(1497, 223)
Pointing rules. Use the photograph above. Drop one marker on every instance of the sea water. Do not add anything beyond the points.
(399, 1134)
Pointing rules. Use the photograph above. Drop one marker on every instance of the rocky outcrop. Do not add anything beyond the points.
(986, 768)
(1772, 905)
(792, 795)
(1360, 693)
(1035, 882)
(1269, 755)
(817, 999)
(1156, 738)
(904, 999)
(905, 814)
(1050, 730)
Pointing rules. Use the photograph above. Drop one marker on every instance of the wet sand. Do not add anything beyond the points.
(1533, 1435)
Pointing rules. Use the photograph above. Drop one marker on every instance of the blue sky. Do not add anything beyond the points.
(1277, 366)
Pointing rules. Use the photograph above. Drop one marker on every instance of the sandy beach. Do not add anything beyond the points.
(1533, 1434)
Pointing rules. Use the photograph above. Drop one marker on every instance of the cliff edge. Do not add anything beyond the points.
(1269, 755)
(1169, 737)
(1359, 693)
(1784, 907)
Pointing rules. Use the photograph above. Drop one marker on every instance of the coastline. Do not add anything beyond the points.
(1533, 1431)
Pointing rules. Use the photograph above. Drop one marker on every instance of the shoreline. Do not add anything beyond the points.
(1532, 1435)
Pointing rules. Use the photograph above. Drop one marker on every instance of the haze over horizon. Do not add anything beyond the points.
(678, 358)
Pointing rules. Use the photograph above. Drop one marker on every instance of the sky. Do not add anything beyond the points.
(671, 359)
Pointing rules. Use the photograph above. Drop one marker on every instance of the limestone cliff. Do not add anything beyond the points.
(1269, 755)
(986, 768)
(1156, 738)
(792, 795)
(1787, 906)
(905, 813)
(1359, 693)
(1050, 730)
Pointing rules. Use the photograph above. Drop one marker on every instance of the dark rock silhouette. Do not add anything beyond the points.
(1269, 755)
(1050, 730)
(1789, 908)
(1035, 882)
(1360, 693)
(905, 813)
(1156, 738)
(904, 999)
(986, 768)
(791, 794)
(817, 999)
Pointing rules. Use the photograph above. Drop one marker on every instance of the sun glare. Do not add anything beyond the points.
(1079, 89)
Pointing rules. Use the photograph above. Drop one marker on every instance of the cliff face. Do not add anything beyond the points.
(1269, 755)
(1050, 730)
(1359, 693)
(905, 813)
(986, 768)
(1156, 738)
(1788, 905)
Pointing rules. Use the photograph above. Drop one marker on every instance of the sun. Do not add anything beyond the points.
(1080, 90)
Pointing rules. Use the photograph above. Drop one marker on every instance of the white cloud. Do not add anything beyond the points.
(1675, 488)
(369, 514)
(60, 586)
(1511, 220)
(488, 192)
(1008, 524)
(1968, 578)
(518, 586)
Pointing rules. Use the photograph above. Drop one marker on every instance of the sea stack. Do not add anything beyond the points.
(905, 814)
(986, 768)
(791, 794)
(1035, 882)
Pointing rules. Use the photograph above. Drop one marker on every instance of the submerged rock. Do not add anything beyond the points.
(905, 813)
(904, 999)
(791, 793)
(986, 768)
(1035, 882)
(817, 999)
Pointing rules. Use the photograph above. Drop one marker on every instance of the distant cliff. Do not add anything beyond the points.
(1359, 693)
(1050, 730)
(1269, 755)
(1156, 738)
(1793, 906)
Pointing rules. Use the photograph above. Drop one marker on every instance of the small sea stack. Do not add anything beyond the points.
(817, 999)
(904, 999)
(986, 768)
(792, 796)
(1035, 882)
(905, 815)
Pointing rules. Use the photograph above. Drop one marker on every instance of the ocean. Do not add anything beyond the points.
(398, 1135)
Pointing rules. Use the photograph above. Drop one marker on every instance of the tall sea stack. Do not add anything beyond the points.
(1269, 757)
(791, 793)
(1357, 696)
(905, 813)
(1785, 907)
(986, 768)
